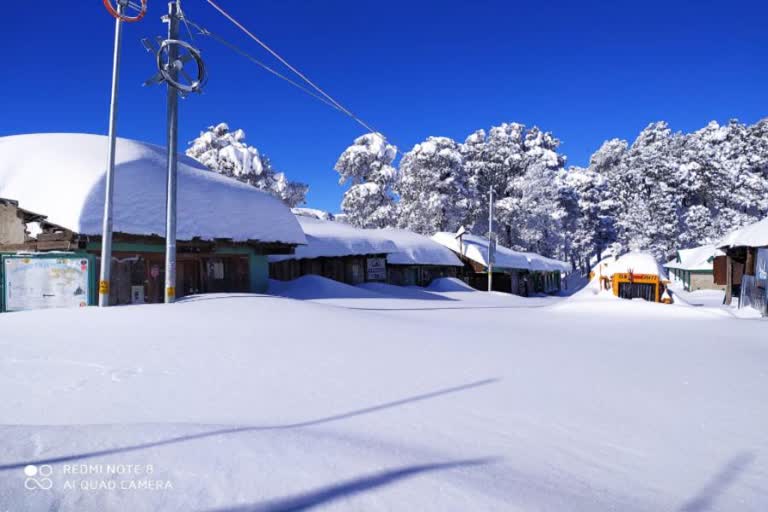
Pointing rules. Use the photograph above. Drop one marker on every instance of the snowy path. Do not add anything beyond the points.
(272, 404)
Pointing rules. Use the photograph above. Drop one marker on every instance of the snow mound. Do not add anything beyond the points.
(313, 287)
(635, 262)
(416, 249)
(449, 284)
(63, 176)
(334, 239)
(402, 292)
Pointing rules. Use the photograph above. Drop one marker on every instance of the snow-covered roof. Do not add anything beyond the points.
(313, 213)
(543, 264)
(696, 258)
(63, 177)
(415, 249)
(475, 248)
(326, 239)
(635, 262)
(753, 235)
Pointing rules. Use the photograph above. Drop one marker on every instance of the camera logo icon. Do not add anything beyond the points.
(37, 477)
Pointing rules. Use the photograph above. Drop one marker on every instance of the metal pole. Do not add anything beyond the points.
(173, 120)
(490, 240)
(106, 232)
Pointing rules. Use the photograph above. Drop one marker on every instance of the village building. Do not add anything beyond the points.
(744, 271)
(337, 251)
(353, 255)
(635, 275)
(514, 272)
(226, 229)
(694, 269)
(418, 260)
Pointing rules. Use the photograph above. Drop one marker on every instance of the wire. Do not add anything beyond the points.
(337, 105)
(186, 24)
(205, 32)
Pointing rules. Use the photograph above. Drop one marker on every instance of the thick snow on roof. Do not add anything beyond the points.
(333, 239)
(696, 258)
(415, 249)
(476, 249)
(63, 176)
(542, 263)
(313, 213)
(754, 235)
(635, 262)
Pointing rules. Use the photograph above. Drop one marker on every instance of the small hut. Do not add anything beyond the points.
(514, 272)
(635, 275)
(744, 269)
(694, 269)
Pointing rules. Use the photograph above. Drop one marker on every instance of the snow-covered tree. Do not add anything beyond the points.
(522, 167)
(492, 161)
(674, 190)
(590, 229)
(367, 164)
(433, 187)
(226, 152)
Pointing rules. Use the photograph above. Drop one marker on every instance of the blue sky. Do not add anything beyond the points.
(587, 71)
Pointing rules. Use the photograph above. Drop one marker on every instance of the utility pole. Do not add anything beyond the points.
(171, 56)
(106, 231)
(174, 10)
(491, 243)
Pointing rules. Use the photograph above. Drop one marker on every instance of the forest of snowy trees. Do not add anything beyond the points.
(664, 191)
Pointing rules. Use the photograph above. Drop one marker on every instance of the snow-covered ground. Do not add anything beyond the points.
(494, 403)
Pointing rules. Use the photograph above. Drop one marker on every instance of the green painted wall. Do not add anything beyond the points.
(258, 265)
(258, 268)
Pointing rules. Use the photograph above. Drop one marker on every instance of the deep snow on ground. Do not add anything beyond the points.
(275, 404)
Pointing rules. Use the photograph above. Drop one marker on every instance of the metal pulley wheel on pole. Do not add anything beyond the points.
(172, 55)
(124, 11)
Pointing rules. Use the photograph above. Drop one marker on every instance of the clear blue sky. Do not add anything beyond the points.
(587, 71)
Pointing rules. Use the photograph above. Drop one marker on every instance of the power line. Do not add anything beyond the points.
(338, 105)
(207, 33)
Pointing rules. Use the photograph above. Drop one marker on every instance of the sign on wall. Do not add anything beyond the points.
(376, 269)
(761, 268)
(42, 283)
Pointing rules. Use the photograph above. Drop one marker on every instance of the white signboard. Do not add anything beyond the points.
(761, 268)
(376, 269)
(41, 283)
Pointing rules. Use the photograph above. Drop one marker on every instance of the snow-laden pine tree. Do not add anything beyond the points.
(433, 187)
(491, 162)
(591, 227)
(651, 209)
(676, 191)
(367, 165)
(226, 152)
